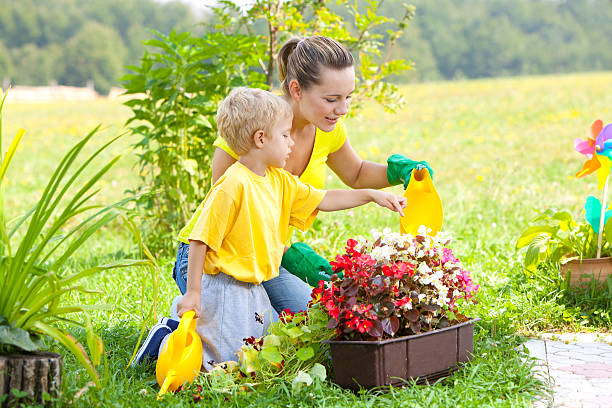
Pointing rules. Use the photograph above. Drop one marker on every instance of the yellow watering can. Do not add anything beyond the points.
(423, 206)
(181, 357)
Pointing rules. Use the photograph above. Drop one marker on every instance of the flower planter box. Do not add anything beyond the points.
(34, 374)
(424, 357)
(582, 271)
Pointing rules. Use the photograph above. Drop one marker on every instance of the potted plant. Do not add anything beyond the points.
(35, 277)
(577, 247)
(396, 312)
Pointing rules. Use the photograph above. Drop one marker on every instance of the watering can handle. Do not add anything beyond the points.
(187, 324)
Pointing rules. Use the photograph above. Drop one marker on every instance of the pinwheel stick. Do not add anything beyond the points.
(602, 219)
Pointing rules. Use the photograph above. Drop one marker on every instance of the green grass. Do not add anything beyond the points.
(502, 152)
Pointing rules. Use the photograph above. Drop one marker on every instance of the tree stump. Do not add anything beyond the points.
(33, 374)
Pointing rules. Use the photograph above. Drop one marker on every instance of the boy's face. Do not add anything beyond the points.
(278, 144)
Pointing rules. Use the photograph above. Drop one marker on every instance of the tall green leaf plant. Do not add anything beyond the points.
(182, 78)
(35, 249)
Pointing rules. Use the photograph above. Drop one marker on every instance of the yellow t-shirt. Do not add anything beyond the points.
(244, 221)
(325, 144)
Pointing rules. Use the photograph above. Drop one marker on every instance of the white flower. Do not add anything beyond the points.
(375, 234)
(424, 269)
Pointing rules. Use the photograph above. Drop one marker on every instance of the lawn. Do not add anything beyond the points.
(502, 151)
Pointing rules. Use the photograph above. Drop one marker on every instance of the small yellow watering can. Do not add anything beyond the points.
(423, 206)
(181, 357)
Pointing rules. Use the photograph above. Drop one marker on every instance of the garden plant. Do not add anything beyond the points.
(35, 250)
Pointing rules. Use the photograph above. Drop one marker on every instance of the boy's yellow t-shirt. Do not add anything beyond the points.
(325, 144)
(244, 221)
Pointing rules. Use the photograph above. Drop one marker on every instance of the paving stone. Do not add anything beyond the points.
(580, 370)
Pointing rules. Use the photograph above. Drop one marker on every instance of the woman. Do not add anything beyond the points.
(318, 78)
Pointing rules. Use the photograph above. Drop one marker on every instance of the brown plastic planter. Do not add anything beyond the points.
(586, 269)
(424, 357)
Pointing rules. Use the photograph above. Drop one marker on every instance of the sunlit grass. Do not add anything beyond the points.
(502, 152)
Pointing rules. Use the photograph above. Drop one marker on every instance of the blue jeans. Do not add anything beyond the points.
(286, 291)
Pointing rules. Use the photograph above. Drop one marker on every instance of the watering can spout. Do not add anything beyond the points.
(181, 356)
(423, 204)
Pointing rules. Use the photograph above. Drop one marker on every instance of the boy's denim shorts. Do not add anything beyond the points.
(179, 272)
(286, 291)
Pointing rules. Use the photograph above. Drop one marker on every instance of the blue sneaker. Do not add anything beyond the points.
(171, 323)
(150, 347)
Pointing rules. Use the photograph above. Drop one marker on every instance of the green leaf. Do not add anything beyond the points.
(305, 353)
(318, 372)
(8, 157)
(537, 245)
(293, 332)
(17, 337)
(608, 231)
(271, 354)
(532, 232)
(271, 340)
(300, 380)
(249, 362)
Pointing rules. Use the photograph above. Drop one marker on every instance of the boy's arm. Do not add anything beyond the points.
(335, 200)
(195, 266)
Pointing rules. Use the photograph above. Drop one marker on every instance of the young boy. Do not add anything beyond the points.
(236, 236)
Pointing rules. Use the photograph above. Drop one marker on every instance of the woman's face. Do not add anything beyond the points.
(324, 103)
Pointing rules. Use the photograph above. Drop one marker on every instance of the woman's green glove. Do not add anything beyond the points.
(399, 169)
(303, 262)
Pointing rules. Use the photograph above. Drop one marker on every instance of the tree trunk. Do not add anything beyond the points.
(33, 374)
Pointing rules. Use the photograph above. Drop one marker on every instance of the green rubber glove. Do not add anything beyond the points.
(303, 262)
(399, 169)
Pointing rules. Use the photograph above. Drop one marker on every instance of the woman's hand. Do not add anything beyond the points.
(190, 301)
(399, 169)
(391, 201)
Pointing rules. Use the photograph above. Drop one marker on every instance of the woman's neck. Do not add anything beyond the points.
(299, 122)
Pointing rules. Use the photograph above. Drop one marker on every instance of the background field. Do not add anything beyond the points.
(502, 152)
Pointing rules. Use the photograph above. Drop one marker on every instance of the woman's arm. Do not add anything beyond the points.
(335, 200)
(354, 172)
(221, 162)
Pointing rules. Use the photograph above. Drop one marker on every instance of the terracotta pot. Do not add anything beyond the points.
(424, 357)
(34, 374)
(582, 271)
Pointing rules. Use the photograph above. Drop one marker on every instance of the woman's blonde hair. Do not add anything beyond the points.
(245, 111)
(302, 58)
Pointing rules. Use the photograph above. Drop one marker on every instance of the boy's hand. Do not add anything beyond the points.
(190, 301)
(391, 201)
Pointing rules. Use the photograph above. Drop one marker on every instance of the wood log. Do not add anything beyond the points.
(33, 374)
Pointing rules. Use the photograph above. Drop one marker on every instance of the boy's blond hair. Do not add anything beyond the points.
(245, 111)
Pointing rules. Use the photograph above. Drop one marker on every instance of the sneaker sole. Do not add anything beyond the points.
(138, 357)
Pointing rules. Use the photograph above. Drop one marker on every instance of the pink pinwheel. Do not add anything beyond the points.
(587, 147)
(598, 148)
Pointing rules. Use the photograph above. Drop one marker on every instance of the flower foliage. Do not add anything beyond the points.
(395, 285)
(292, 352)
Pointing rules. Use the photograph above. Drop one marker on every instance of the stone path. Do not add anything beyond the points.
(578, 367)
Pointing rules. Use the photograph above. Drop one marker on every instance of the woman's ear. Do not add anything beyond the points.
(258, 138)
(295, 90)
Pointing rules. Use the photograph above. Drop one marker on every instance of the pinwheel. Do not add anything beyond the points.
(598, 148)
(592, 209)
